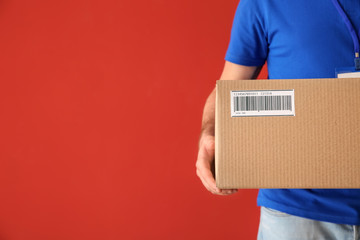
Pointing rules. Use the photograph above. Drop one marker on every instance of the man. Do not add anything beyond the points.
(298, 39)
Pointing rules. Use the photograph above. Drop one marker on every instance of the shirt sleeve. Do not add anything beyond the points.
(248, 42)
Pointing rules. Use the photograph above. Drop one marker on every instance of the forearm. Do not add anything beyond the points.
(208, 119)
(231, 72)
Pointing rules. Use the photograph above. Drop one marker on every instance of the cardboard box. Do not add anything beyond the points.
(313, 141)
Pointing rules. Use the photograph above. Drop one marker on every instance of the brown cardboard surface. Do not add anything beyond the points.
(319, 147)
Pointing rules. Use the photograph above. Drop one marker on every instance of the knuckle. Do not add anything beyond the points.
(210, 145)
(206, 140)
(197, 165)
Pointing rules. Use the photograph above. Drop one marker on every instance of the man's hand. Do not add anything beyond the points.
(205, 165)
(205, 161)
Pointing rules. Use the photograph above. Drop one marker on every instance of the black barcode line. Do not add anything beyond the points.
(262, 103)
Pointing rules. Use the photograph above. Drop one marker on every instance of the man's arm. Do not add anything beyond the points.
(205, 160)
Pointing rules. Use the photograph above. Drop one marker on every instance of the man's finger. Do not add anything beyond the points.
(206, 185)
(208, 180)
(209, 187)
(214, 189)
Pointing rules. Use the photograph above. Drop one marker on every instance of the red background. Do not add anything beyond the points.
(100, 112)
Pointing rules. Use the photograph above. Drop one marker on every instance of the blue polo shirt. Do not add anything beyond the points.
(299, 39)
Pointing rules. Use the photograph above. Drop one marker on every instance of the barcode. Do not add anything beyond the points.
(262, 103)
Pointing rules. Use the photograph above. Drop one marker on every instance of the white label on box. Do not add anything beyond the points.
(262, 103)
(349, 75)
